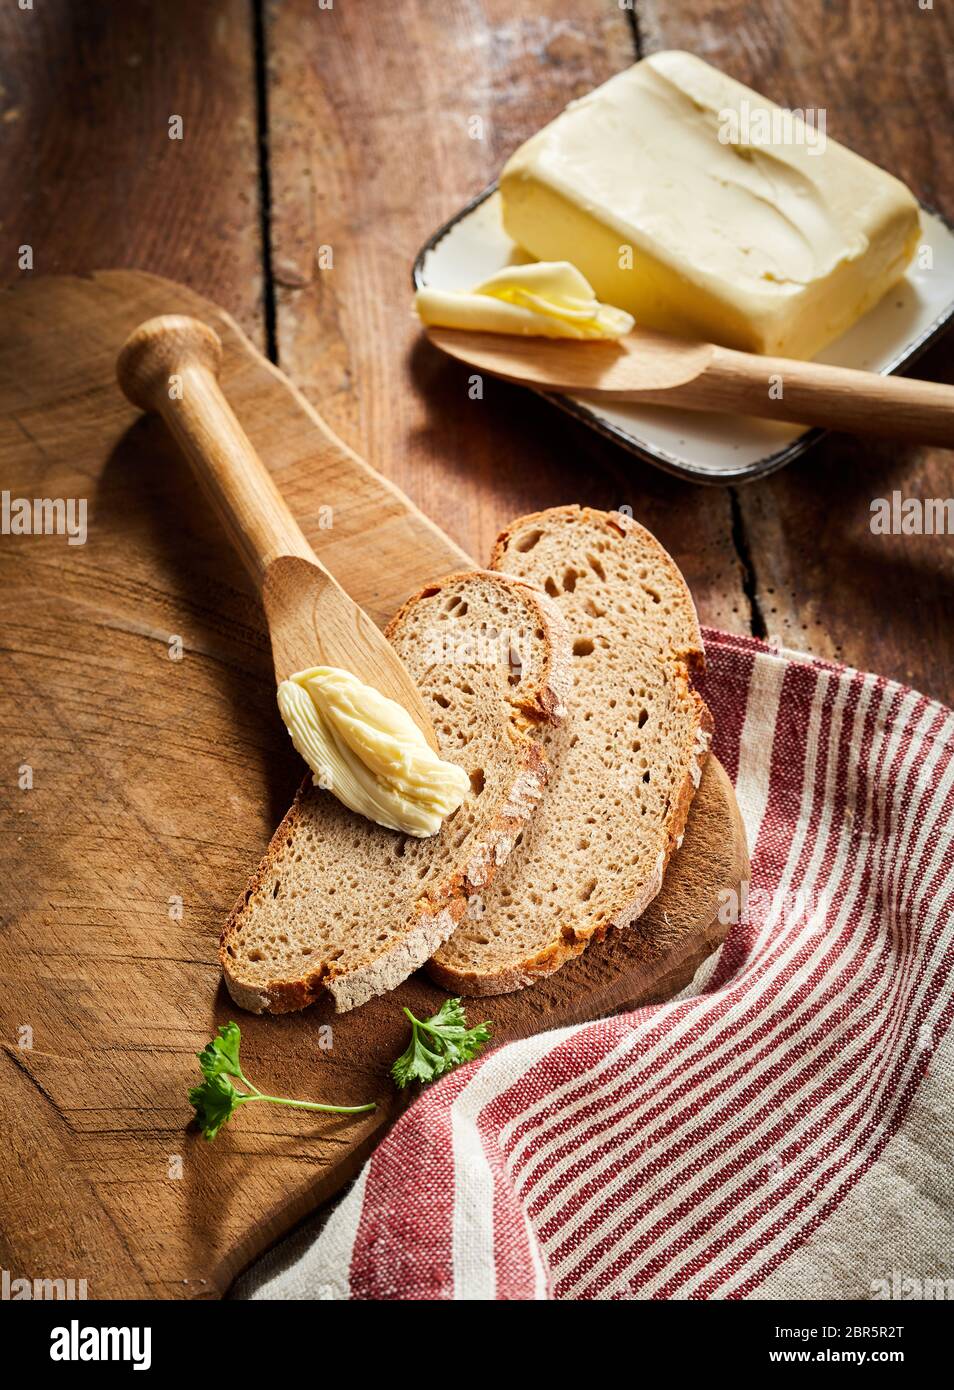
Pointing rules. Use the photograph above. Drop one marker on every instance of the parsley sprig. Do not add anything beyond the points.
(438, 1044)
(218, 1098)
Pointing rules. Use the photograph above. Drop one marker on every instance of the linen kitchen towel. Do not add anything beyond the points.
(781, 1129)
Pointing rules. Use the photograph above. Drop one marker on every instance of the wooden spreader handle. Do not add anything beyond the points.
(170, 365)
(779, 388)
(651, 368)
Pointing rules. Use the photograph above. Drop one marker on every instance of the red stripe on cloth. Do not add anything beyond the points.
(650, 1077)
(403, 1248)
(938, 826)
(787, 778)
(721, 642)
(513, 1258)
(817, 1082)
(726, 686)
(575, 1059)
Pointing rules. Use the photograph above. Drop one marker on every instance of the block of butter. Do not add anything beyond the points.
(707, 211)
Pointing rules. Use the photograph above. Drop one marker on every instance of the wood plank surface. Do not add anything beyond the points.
(91, 178)
(147, 789)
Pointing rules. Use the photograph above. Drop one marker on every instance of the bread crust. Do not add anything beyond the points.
(433, 918)
(686, 663)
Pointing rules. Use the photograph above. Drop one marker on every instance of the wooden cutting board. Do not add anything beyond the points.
(142, 786)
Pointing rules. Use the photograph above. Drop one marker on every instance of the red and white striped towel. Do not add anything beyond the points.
(783, 1128)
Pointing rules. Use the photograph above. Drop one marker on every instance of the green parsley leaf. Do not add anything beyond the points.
(215, 1101)
(418, 1063)
(437, 1044)
(221, 1055)
(218, 1098)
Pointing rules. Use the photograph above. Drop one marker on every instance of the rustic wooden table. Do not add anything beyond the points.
(347, 127)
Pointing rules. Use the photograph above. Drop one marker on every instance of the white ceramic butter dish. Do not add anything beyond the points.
(707, 447)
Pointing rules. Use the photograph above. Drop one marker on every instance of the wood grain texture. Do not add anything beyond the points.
(155, 786)
(90, 175)
(821, 581)
(383, 121)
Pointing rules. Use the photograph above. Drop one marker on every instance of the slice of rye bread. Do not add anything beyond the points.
(343, 907)
(624, 766)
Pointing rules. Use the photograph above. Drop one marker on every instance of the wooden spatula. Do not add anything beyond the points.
(170, 365)
(656, 369)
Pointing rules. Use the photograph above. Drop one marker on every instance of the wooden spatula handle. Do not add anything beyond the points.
(170, 365)
(811, 393)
